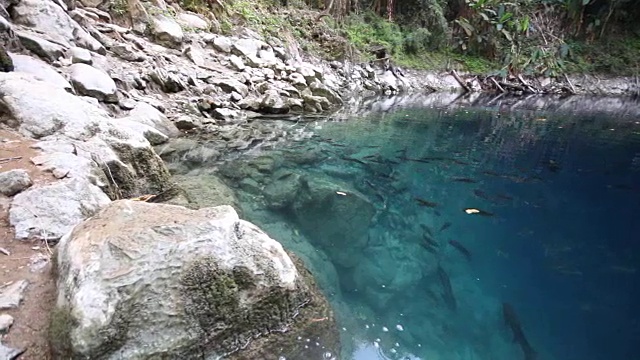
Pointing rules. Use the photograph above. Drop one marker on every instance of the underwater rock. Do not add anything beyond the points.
(141, 280)
(204, 191)
(335, 222)
(281, 192)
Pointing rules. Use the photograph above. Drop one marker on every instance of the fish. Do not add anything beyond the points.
(430, 249)
(512, 321)
(353, 159)
(491, 173)
(464, 180)
(423, 202)
(412, 159)
(437, 213)
(447, 295)
(426, 229)
(472, 211)
(481, 194)
(430, 241)
(445, 226)
(463, 250)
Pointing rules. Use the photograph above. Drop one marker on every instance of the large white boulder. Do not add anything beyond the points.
(142, 281)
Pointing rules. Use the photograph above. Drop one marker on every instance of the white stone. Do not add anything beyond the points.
(40, 69)
(90, 81)
(80, 55)
(166, 31)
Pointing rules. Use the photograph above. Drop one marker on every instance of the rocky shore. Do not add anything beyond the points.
(88, 106)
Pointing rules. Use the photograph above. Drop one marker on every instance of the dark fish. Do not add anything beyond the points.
(284, 176)
(372, 146)
(463, 250)
(460, 162)
(445, 226)
(504, 197)
(464, 180)
(353, 159)
(491, 173)
(511, 320)
(426, 229)
(437, 213)
(430, 241)
(412, 159)
(370, 157)
(370, 184)
(430, 249)
(481, 194)
(423, 202)
(447, 295)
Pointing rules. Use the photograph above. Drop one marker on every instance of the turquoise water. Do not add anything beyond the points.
(461, 234)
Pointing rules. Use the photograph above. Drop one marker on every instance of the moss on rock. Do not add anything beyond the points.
(235, 317)
(60, 326)
(6, 63)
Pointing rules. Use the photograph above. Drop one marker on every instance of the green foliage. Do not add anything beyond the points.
(371, 30)
(613, 55)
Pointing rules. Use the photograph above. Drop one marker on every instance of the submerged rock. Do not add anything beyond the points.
(142, 280)
(335, 218)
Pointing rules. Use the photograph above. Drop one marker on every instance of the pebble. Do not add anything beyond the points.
(384, 328)
(399, 327)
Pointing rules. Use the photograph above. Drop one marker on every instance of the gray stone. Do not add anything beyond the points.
(40, 46)
(6, 321)
(168, 81)
(237, 62)
(247, 47)
(149, 115)
(66, 165)
(186, 122)
(80, 55)
(112, 265)
(225, 114)
(166, 31)
(51, 19)
(14, 181)
(192, 21)
(7, 353)
(11, 295)
(251, 186)
(319, 89)
(50, 211)
(196, 54)
(231, 85)
(273, 103)
(90, 81)
(268, 56)
(128, 52)
(297, 79)
(40, 69)
(222, 44)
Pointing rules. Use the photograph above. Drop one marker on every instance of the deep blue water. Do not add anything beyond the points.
(558, 239)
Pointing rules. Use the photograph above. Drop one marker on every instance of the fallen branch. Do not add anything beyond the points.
(5, 251)
(460, 81)
(3, 160)
(497, 85)
(571, 88)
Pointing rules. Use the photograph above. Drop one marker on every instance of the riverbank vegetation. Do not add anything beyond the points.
(534, 37)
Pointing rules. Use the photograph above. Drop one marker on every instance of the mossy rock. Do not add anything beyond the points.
(268, 327)
(6, 63)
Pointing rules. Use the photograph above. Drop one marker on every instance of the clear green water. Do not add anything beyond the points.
(375, 206)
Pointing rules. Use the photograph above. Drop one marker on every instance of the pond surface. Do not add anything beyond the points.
(461, 234)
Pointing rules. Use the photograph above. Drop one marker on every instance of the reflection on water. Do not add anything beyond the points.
(462, 234)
